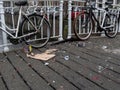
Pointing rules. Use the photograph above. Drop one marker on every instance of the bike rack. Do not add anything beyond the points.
(70, 6)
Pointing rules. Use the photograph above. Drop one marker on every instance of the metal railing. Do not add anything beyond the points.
(56, 11)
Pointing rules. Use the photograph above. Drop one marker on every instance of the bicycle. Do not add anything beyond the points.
(32, 28)
(84, 23)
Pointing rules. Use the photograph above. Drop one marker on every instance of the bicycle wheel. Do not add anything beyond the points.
(111, 25)
(83, 26)
(41, 37)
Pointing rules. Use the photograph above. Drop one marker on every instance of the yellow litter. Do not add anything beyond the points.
(47, 55)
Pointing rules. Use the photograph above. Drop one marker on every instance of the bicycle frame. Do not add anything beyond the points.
(15, 29)
(99, 26)
(21, 13)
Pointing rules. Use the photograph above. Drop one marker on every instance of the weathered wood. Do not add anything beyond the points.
(28, 74)
(88, 68)
(11, 77)
(93, 59)
(2, 85)
(53, 78)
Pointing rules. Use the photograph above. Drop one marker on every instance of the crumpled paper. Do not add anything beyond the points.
(47, 55)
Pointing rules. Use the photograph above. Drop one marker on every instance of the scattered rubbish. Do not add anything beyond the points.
(106, 60)
(42, 56)
(107, 65)
(62, 51)
(48, 54)
(66, 57)
(17, 55)
(50, 51)
(116, 51)
(100, 69)
(25, 49)
(60, 88)
(46, 64)
(81, 44)
(111, 68)
(78, 57)
(109, 58)
(53, 81)
(104, 47)
(28, 49)
(3, 59)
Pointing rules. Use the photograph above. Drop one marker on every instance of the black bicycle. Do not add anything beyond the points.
(86, 21)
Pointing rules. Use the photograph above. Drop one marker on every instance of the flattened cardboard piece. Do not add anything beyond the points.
(47, 55)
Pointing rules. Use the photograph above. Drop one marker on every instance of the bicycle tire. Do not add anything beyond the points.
(83, 26)
(111, 21)
(42, 36)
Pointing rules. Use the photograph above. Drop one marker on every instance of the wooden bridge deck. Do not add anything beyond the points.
(90, 65)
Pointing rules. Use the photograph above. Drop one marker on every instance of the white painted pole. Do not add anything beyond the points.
(97, 4)
(114, 2)
(69, 18)
(6, 49)
(61, 20)
(12, 12)
(103, 6)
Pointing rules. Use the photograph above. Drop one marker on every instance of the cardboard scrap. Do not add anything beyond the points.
(48, 54)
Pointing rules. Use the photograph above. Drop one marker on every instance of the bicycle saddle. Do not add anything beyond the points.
(21, 3)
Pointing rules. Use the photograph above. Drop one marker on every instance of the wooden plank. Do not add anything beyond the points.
(84, 70)
(77, 79)
(92, 59)
(2, 85)
(89, 73)
(11, 77)
(95, 47)
(108, 56)
(95, 67)
(53, 78)
(28, 74)
(105, 70)
(70, 75)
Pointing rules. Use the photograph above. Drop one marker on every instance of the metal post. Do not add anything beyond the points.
(69, 18)
(61, 20)
(97, 4)
(6, 49)
(114, 2)
(12, 12)
(103, 6)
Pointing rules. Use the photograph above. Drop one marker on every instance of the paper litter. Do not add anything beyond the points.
(47, 55)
